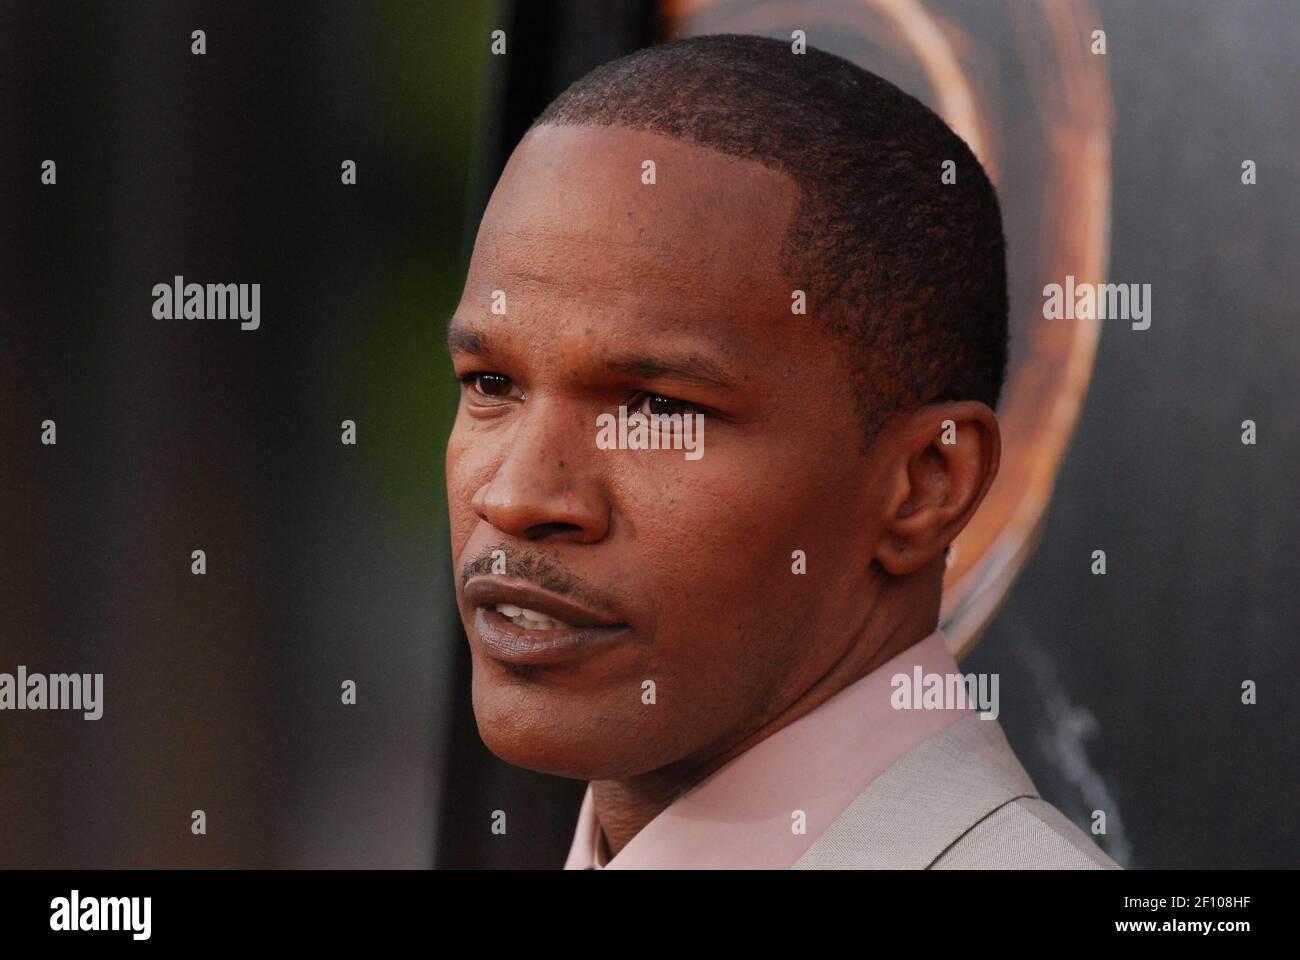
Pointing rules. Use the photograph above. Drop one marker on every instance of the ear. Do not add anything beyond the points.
(941, 460)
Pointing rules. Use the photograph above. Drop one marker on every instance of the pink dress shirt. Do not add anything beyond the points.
(743, 815)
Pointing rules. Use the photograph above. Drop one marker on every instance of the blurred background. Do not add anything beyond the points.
(328, 563)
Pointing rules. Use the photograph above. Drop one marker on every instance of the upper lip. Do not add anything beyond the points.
(487, 591)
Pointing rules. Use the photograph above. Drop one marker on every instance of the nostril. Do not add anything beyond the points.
(540, 531)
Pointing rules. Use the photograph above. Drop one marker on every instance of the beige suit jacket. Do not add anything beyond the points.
(958, 801)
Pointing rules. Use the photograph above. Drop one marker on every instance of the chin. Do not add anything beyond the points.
(523, 729)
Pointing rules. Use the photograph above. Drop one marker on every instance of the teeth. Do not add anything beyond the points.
(530, 619)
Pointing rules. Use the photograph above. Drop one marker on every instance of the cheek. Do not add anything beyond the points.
(715, 557)
(465, 473)
(718, 553)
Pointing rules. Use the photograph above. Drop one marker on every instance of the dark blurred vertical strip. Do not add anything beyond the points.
(161, 447)
(325, 562)
(46, 371)
(548, 47)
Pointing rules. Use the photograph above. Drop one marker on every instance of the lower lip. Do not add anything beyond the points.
(504, 640)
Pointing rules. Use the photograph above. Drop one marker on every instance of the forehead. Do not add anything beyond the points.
(573, 221)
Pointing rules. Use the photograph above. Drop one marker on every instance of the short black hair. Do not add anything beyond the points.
(907, 271)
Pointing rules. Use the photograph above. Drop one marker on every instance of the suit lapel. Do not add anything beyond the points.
(925, 801)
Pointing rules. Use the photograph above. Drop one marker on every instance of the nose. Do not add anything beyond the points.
(545, 486)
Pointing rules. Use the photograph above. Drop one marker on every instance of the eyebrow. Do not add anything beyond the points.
(686, 367)
(463, 339)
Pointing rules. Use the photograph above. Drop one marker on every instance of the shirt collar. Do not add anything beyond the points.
(764, 808)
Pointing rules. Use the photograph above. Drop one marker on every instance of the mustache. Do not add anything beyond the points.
(539, 569)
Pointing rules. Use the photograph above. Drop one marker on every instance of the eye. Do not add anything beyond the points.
(492, 385)
(659, 405)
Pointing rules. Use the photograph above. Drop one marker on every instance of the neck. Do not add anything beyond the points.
(624, 807)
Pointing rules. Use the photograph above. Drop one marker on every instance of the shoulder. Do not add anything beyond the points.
(1027, 833)
(959, 800)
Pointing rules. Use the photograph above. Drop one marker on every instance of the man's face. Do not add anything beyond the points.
(665, 298)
